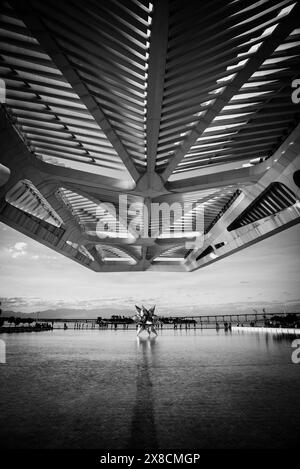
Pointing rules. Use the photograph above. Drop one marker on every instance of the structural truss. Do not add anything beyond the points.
(110, 108)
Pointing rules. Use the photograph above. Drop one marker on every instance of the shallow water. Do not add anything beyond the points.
(185, 389)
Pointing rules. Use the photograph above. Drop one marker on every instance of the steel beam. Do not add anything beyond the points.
(50, 46)
(283, 29)
(156, 75)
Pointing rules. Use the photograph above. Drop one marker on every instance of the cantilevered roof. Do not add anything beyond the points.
(168, 101)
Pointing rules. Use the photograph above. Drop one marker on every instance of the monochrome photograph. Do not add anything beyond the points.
(149, 229)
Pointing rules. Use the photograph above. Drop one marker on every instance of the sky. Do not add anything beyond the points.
(35, 278)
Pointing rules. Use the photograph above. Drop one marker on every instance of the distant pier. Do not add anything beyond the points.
(173, 322)
(255, 321)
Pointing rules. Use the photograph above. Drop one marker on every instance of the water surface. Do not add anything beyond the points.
(185, 389)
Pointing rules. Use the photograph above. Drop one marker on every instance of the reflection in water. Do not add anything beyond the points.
(143, 431)
(284, 338)
(105, 389)
(277, 338)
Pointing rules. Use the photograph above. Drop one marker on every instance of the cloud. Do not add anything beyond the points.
(263, 272)
(22, 249)
(20, 246)
(44, 257)
(85, 307)
(14, 301)
(18, 250)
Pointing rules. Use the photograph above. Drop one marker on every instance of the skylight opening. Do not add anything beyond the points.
(232, 107)
(239, 64)
(88, 167)
(231, 116)
(119, 259)
(255, 84)
(286, 10)
(250, 95)
(210, 137)
(275, 60)
(227, 78)
(206, 145)
(287, 45)
(224, 127)
(26, 197)
(198, 153)
(217, 91)
(252, 50)
(269, 31)
(206, 103)
(169, 259)
(199, 114)
(249, 8)
(182, 234)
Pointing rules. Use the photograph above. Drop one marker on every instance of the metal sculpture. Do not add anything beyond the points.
(145, 319)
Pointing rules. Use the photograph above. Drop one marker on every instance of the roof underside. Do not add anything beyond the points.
(162, 102)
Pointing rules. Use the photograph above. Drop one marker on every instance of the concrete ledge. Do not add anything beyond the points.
(275, 330)
(4, 175)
